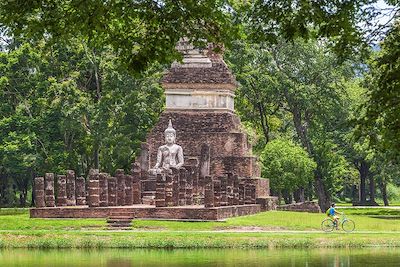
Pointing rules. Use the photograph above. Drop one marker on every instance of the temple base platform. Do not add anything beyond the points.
(141, 211)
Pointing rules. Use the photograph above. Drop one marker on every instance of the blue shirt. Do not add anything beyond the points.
(332, 211)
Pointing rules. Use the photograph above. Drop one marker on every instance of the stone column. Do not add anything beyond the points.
(175, 188)
(94, 188)
(169, 186)
(182, 187)
(160, 190)
(204, 165)
(224, 184)
(196, 191)
(235, 189)
(71, 200)
(241, 191)
(49, 190)
(217, 193)
(253, 189)
(61, 190)
(103, 186)
(189, 186)
(136, 184)
(80, 190)
(120, 187)
(128, 190)
(203, 170)
(112, 191)
(39, 192)
(229, 189)
(208, 192)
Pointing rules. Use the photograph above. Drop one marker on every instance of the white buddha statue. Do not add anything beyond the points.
(170, 155)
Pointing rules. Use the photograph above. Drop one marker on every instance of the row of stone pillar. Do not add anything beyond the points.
(183, 187)
(229, 190)
(102, 189)
(175, 189)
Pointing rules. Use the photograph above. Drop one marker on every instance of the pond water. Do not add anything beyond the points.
(202, 257)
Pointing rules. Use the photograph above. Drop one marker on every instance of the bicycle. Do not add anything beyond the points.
(328, 225)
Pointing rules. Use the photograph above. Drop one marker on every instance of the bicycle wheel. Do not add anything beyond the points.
(348, 226)
(327, 225)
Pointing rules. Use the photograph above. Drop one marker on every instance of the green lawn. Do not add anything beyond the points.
(272, 220)
(289, 229)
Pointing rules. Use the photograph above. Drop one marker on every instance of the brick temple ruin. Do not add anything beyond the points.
(220, 177)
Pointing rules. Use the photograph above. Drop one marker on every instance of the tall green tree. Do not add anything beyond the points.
(69, 107)
(300, 84)
(288, 166)
(381, 121)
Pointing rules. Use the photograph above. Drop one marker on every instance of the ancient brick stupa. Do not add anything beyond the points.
(200, 102)
(214, 176)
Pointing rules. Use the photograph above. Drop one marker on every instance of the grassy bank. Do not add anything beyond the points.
(263, 230)
(195, 240)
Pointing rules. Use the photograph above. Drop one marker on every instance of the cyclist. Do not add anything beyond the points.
(331, 212)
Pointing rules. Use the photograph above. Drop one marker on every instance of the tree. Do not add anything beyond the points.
(140, 32)
(349, 25)
(300, 85)
(66, 107)
(381, 121)
(287, 165)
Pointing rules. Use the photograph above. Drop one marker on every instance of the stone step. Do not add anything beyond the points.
(119, 224)
(119, 220)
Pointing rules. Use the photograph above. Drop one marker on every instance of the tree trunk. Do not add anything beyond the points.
(382, 185)
(299, 195)
(372, 190)
(324, 200)
(354, 193)
(363, 170)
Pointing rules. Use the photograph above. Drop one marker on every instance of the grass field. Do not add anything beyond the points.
(267, 229)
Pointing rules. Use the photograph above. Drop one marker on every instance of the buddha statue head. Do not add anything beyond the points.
(170, 134)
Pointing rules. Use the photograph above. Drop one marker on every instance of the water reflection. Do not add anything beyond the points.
(203, 257)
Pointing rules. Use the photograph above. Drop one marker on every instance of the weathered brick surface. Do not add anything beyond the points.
(142, 211)
(61, 190)
(103, 186)
(128, 190)
(160, 190)
(208, 192)
(119, 174)
(262, 189)
(198, 132)
(224, 196)
(267, 203)
(217, 193)
(219, 73)
(93, 188)
(112, 191)
(182, 187)
(169, 185)
(49, 190)
(70, 187)
(39, 192)
(80, 190)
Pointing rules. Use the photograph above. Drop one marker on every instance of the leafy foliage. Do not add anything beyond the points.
(381, 121)
(140, 32)
(287, 165)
